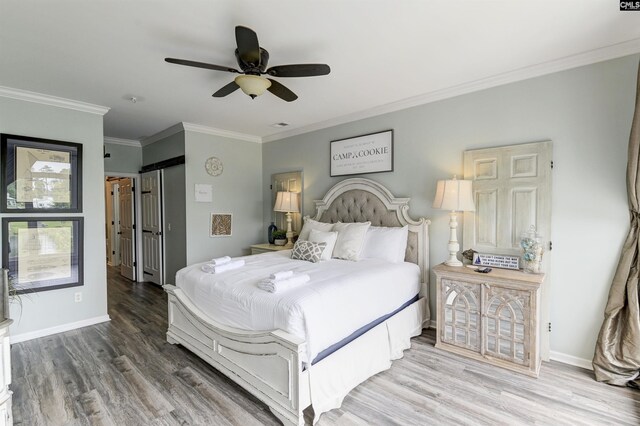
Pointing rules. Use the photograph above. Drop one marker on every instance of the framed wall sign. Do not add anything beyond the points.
(220, 225)
(371, 153)
(40, 175)
(43, 253)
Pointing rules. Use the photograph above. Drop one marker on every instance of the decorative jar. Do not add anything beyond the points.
(532, 249)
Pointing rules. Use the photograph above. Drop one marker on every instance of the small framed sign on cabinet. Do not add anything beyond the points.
(496, 260)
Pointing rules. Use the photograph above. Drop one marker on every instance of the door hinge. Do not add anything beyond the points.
(113, 252)
(552, 164)
(549, 327)
(113, 223)
(134, 263)
(111, 192)
(550, 245)
(133, 226)
(270, 186)
(133, 188)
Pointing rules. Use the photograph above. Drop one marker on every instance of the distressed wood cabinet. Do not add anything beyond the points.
(491, 317)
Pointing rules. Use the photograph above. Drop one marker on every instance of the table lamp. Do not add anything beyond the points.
(456, 196)
(287, 202)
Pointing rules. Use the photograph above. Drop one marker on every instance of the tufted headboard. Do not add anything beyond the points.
(362, 200)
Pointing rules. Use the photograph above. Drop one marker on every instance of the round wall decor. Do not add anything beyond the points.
(213, 166)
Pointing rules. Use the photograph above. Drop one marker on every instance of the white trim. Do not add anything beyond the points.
(571, 360)
(119, 141)
(618, 50)
(58, 329)
(40, 98)
(176, 128)
(190, 127)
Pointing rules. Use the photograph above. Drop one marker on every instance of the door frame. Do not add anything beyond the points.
(137, 200)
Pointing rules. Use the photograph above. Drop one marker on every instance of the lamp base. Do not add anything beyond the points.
(453, 262)
(289, 231)
(453, 245)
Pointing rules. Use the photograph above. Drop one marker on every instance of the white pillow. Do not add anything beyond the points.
(350, 240)
(330, 238)
(310, 224)
(385, 243)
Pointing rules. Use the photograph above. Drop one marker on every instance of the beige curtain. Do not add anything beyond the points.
(617, 356)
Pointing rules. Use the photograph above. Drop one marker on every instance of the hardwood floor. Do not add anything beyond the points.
(125, 373)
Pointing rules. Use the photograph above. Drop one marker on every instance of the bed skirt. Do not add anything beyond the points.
(268, 363)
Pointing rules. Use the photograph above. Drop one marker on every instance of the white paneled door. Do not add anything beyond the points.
(127, 229)
(152, 239)
(512, 191)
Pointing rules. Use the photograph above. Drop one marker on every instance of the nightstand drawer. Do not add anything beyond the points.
(265, 248)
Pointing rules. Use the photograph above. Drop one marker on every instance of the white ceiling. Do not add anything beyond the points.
(381, 53)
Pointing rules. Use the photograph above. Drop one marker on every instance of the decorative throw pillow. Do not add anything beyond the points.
(386, 243)
(306, 250)
(310, 224)
(350, 240)
(324, 237)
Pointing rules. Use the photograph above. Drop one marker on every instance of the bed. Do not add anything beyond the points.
(291, 366)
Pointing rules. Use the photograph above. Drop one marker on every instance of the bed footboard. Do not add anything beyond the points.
(267, 364)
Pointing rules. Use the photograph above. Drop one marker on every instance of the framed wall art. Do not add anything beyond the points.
(43, 253)
(40, 175)
(371, 153)
(220, 225)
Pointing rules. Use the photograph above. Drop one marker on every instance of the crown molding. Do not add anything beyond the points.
(40, 98)
(126, 142)
(190, 127)
(176, 128)
(618, 50)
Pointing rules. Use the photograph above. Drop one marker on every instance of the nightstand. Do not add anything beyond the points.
(264, 248)
(491, 317)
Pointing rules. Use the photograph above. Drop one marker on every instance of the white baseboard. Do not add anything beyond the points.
(571, 360)
(23, 337)
(556, 356)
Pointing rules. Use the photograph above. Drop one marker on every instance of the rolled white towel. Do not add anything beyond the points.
(282, 275)
(273, 286)
(216, 269)
(220, 260)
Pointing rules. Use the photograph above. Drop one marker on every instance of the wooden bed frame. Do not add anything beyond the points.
(268, 364)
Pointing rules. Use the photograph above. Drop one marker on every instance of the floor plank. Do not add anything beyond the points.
(124, 372)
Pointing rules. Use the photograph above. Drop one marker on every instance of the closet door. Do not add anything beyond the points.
(152, 239)
(512, 191)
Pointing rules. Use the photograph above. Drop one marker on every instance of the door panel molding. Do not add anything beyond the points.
(519, 176)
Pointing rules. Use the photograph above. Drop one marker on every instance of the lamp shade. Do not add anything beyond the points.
(252, 85)
(286, 202)
(454, 195)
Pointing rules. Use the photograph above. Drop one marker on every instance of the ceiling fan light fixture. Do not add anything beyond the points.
(252, 85)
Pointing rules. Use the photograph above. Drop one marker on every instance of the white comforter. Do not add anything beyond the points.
(341, 296)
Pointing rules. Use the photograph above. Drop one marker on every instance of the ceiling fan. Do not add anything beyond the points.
(253, 60)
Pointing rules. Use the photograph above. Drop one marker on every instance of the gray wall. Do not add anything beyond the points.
(55, 308)
(175, 236)
(175, 228)
(163, 149)
(237, 190)
(586, 112)
(124, 158)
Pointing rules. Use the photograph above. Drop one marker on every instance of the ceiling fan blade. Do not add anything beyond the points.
(281, 91)
(226, 90)
(248, 47)
(299, 70)
(200, 65)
